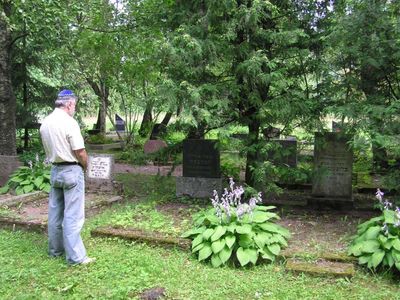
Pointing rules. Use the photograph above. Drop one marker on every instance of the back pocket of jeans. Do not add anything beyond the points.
(70, 179)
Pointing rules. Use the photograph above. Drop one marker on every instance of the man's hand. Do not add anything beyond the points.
(82, 157)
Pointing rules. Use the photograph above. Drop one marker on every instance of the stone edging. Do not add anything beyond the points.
(25, 198)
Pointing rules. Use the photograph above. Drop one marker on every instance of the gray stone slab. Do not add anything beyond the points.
(286, 152)
(197, 187)
(333, 165)
(8, 164)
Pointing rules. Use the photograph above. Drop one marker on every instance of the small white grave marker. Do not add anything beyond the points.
(100, 166)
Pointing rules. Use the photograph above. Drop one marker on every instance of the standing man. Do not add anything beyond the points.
(65, 149)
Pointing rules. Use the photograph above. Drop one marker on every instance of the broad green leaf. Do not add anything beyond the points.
(395, 255)
(208, 233)
(355, 249)
(4, 189)
(197, 240)
(231, 227)
(192, 232)
(19, 190)
(397, 265)
(266, 254)
(245, 240)
(377, 257)
(242, 256)
(364, 259)
(264, 208)
(370, 246)
(219, 231)
(17, 179)
(218, 245)
(261, 239)
(38, 181)
(225, 254)
(25, 182)
(390, 216)
(28, 188)
(252, 254)
(364, 226)
(213, 219)
(274, 228)
(274, 248)
(383, 239)
(262, 216)
(230, 240)
(396, 244)
(244, 229)
(215, 261)
(389, 259)
(47, 176)
(281, 240)
(372, 232)
(205, 252)
(198, 247)
(47, 188)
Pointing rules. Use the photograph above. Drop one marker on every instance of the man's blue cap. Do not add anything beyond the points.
(66, 93)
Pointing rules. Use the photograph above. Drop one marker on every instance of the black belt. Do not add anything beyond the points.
(66, 163)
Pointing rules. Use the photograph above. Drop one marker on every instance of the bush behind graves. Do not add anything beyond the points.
(233, 230)
(377, 242)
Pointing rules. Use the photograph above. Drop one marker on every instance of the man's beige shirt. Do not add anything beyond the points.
(60, 136)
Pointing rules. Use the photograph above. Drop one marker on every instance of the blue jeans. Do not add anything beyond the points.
(67, 212)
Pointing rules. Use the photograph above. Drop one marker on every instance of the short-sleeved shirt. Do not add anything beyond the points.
(60, 136)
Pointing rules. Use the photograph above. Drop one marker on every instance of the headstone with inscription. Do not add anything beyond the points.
(201, 169)
(333, 166)
(99, 173)
(8, 164)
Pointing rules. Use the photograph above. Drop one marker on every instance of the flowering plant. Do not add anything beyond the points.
(34, 177)
(377, 241)
(235, 229)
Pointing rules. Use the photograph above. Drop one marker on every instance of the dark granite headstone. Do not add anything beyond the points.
(201, 158)
(8, 164)
(285, 153)
(119, 123)
(201, 169)
(333, 165)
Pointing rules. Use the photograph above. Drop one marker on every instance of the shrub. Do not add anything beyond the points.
(34, 177)
(230, 169)
(377, 242)
(99, 139)
(233, 230)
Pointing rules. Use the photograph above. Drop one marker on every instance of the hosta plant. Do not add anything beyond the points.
(26, 179)
(234, 231)
(377, 242)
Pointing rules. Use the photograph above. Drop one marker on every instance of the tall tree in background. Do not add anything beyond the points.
(7, 99)
(365, 45)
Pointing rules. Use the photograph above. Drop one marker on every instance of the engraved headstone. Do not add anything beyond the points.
(333, 165)
(201, 158)
(8, 164)
(99, 173)
(201, 169)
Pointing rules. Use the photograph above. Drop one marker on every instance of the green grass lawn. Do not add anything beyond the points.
(124, 269)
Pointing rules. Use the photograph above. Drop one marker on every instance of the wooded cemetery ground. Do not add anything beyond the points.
(124, 269)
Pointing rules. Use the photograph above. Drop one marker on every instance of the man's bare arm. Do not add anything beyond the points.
(82, 157)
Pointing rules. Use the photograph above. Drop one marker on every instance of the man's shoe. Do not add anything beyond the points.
(88, 260)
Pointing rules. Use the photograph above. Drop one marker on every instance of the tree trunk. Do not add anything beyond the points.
(147, 120)
(167, 118)
(101, 90)
(7, 98)
(252, 155)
